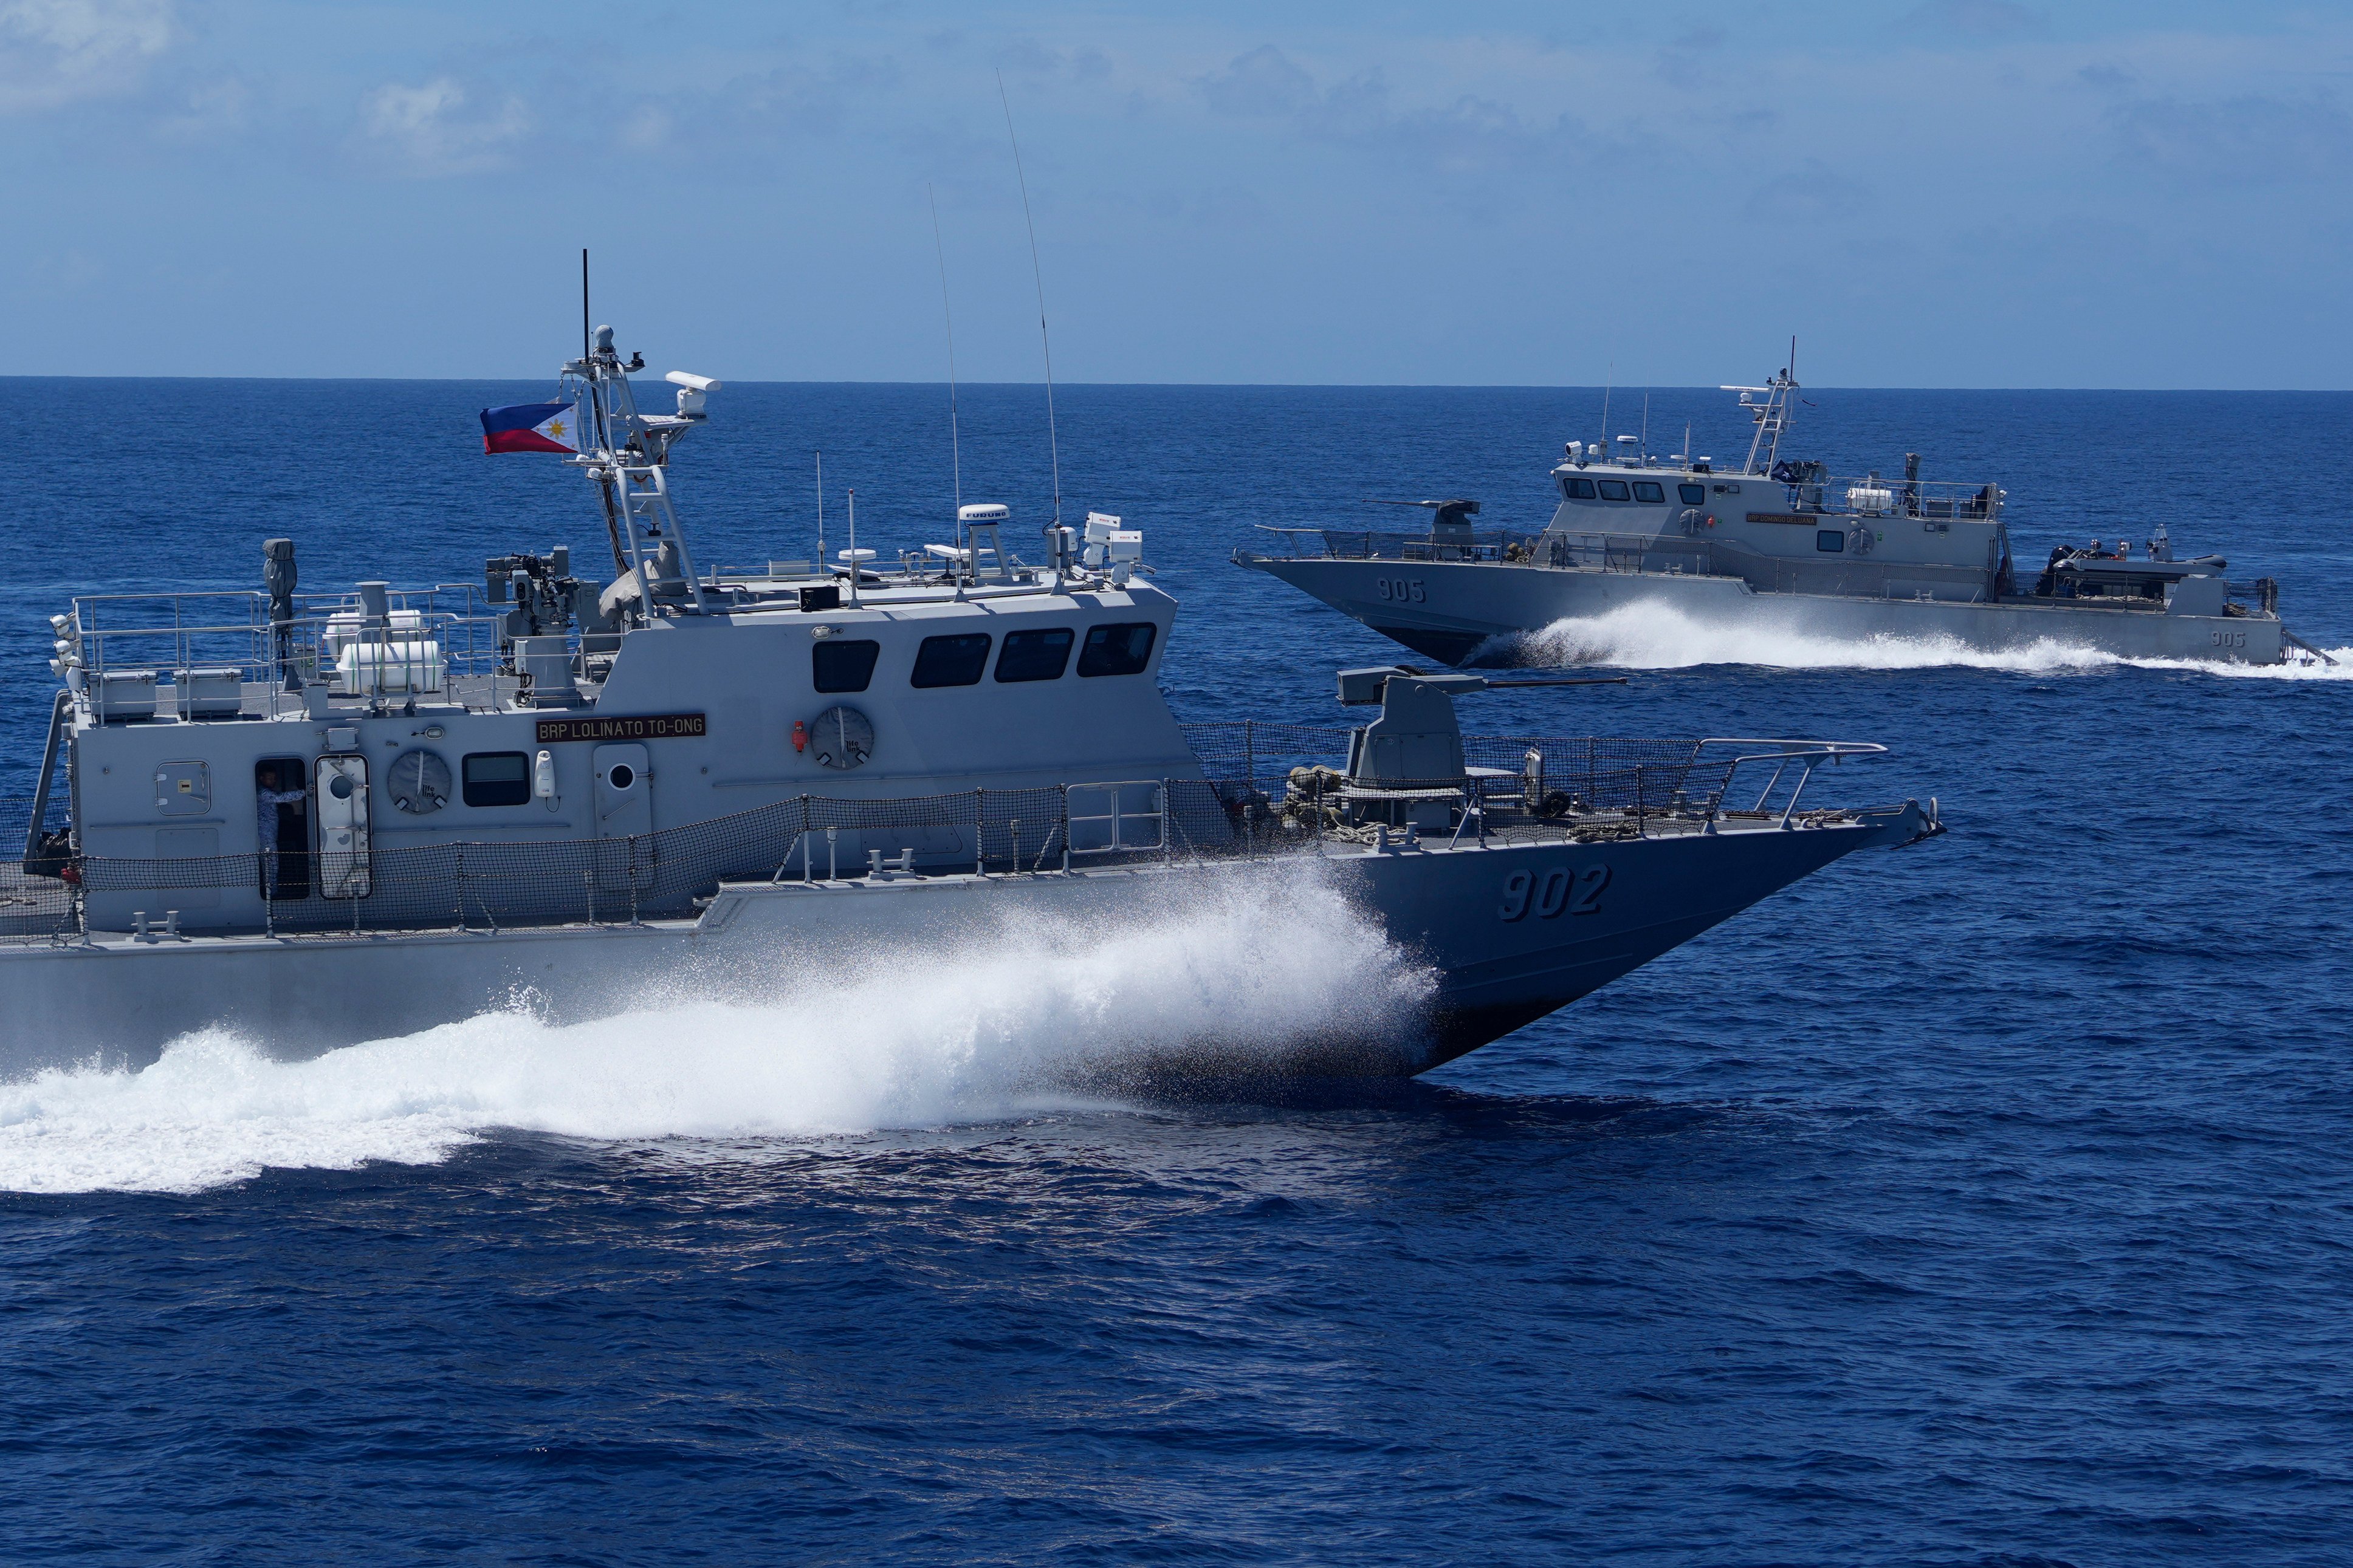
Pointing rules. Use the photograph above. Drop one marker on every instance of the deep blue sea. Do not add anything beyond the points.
(1989, 1202)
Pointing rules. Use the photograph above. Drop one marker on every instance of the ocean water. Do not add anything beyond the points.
(1985, 1202)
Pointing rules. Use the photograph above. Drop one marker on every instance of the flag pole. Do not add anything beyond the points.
(589, 374)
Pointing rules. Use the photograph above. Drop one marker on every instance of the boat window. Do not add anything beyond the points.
(1647, 489)
(1613, 489)
(497, 778)
(1578, 490)
(1117, 649)
(951, 661)
(1035, 656)
(1693, 495)
(843, 666)
(1830, 539)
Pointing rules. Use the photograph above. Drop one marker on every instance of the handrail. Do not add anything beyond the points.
(1799, 748)
(1570, 787)
(451, 620)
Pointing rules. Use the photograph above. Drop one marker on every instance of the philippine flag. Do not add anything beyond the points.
(531, 427)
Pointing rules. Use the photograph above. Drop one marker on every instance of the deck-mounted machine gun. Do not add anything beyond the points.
(1405, 768)
(543, 599)
(1450, 523)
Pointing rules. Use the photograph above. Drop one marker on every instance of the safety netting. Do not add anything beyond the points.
(1266, 789)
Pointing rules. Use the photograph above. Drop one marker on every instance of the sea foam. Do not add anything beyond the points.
(1017, 1022)
(1655, 636)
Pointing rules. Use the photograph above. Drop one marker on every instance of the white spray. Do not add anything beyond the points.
(1010, 1023)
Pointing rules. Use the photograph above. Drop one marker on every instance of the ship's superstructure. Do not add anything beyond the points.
(1777, 543)
(319, 817)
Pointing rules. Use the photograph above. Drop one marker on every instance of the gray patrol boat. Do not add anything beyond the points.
(1775, 545)
(318, 818)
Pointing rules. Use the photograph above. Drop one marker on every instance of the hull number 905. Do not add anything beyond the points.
(1401, 590)
(1559, 891)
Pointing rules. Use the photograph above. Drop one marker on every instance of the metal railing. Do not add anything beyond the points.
(1808, 489)
(1377, 544)
(1565, 551)
(1268, 789)
(1116, 818)
(195, 651)
(1281, 781)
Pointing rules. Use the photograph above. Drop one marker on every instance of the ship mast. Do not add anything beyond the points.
(1772, 416)
(627, 454)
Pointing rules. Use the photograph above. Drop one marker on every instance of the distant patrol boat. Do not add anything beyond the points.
(320, 819)
(1775, 545)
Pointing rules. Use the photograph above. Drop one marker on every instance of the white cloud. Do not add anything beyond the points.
(2253, 140)
(55, 52)
(442, 126)
(1974, 18)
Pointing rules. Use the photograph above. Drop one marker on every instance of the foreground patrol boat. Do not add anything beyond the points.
(320, 819)
(1779, 546)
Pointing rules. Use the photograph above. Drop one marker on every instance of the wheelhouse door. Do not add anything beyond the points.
(284, 827)
(623, 798)
(342, 793)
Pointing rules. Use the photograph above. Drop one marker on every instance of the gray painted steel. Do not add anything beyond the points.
(1456, 610)
(1776, 545)
(244, 767)
(120, 999)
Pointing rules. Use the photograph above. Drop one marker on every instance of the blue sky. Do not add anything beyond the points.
(1958, 193)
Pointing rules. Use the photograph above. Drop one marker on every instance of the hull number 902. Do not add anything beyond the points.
(1401, 590)
(1559, 891)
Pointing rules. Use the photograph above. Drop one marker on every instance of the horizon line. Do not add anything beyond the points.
(1202, 386)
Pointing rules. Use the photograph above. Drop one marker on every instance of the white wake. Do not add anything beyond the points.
(1657, 637)
(1012, 1025)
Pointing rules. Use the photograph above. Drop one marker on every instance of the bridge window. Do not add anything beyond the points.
(1117, 649)
(1613, 489)
(1576, 490)
(1035, 656)
(1830, 540)
(843, 666)
(951, 661)
(1693, 495)
(1648, 489)
(496, 778)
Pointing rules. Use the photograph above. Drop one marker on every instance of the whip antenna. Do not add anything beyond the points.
(1053, 449)
(956, 459)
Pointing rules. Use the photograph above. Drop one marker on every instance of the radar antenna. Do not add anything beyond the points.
(1053, 447)
(955, 456)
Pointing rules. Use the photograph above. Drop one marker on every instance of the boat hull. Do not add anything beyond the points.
(1462, 611)
(1493, 958)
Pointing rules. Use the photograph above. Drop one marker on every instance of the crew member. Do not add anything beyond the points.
(267, 797)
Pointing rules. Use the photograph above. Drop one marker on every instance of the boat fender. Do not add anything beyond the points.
(800, 735)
